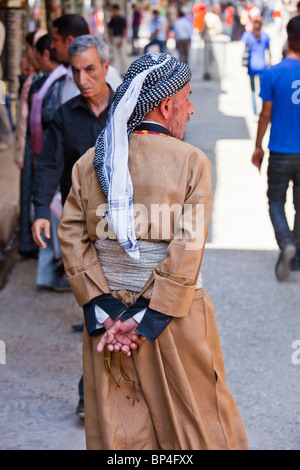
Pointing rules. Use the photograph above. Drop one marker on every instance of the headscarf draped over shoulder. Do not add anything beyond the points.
(148, 81)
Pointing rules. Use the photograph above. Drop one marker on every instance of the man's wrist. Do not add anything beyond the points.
(108, 323)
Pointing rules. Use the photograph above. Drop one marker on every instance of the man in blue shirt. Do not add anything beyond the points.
(280, 92)
(258, 42)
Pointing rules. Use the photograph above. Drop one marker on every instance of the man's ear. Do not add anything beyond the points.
(106, 66)
(165, 107)
(69, 39)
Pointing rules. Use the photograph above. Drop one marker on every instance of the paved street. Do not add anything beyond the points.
(258, 317)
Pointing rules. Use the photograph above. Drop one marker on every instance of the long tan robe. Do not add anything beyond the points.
(179, 399)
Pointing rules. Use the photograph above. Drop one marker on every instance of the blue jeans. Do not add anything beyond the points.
(283, 169)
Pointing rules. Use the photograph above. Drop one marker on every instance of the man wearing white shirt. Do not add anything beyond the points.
(183, 30)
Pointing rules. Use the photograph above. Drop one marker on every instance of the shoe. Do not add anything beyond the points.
(295, 263)
(80, 408)
(283, 266)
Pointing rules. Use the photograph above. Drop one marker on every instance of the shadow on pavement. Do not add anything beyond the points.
(209, 125)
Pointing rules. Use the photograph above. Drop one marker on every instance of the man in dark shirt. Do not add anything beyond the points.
(118, 35)
(73, 130)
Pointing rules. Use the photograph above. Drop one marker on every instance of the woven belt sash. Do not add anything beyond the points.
(124, 272)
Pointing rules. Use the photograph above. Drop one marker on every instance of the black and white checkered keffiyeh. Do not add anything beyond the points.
(148, 81)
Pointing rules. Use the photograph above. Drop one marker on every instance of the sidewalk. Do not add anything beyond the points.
(258, 318)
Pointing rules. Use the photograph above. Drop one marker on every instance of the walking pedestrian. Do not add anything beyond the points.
(50, 268)
(33, 66)
(27, 247)
(136, 23)
(158, 32)
(228, 18)
(280, 92)
(199, 11)
(257, 43)
(183, 30)
(49, 97)
(44, 104)
(72, 131)
(211, 29)
(64, 30)
(140, 281)
(117, 29)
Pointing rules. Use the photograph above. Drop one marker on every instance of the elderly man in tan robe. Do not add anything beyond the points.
(132, 236)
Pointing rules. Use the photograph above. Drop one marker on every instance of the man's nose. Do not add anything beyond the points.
(191, 109)
(82, 77)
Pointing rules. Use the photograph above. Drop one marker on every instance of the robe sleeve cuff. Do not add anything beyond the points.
(170, 297)
(42, 212)
(108, 305)
(85, 284)
(92, 326)
(152, 323)
(140, 304)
